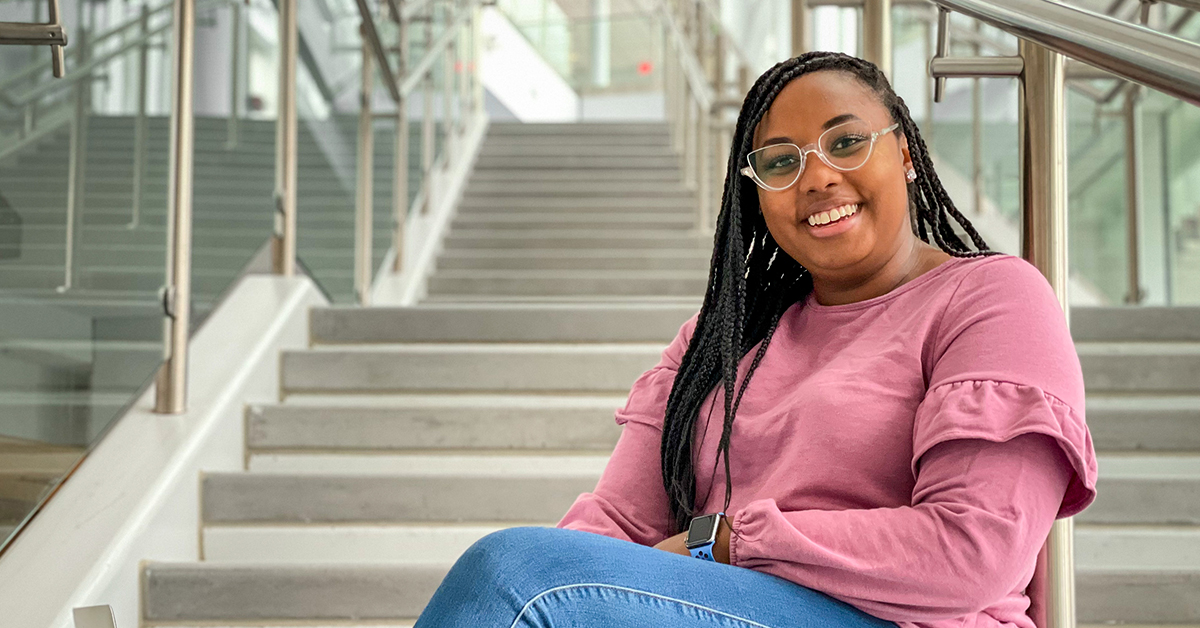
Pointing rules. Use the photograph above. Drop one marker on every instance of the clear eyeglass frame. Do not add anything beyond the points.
(814, 147)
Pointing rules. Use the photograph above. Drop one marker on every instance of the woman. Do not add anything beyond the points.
(902, 422)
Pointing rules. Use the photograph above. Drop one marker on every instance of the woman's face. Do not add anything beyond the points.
(858, 244)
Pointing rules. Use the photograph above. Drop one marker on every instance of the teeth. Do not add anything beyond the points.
(832, 215)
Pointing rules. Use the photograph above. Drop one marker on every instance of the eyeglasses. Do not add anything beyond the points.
(844, 147)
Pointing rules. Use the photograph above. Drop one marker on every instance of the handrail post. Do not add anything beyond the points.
(877, 34)
(283, 240)
(77, 166)
(800, 28)
(448, 93)
(1044, 204)
(427, 139)
(1131, 111)
(139, 123)
(365, 194)
(400, 156)
(235, 28)
(171, 381)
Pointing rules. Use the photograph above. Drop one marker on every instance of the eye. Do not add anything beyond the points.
(846, 143)
(782, 161)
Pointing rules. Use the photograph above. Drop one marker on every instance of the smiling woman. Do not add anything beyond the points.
(909, 415)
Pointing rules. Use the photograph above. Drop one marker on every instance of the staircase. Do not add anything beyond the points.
(405, 434)
(69, 362)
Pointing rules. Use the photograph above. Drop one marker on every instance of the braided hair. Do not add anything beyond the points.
(750, 284)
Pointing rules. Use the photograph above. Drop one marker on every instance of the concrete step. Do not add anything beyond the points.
(176, 593)
(569, 282)
(565, 259)
(1144, 422)
(573, 150)
(1143, 548)
(573, 239)
(598, 204)
(535, 220)
(575, 162)
(1142, 488)
(631, 140)
(498, 323)
(665, 175)
(577, 189)
(241, 498)
(1159, 367)
(379, 423)
(507, 299)
(567, 129)
(1135, 324)
(593, 368)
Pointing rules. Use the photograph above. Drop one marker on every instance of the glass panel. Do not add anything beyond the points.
(82, 232)
(328, 89)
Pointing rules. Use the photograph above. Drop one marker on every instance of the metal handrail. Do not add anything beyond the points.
(36, 67)
(1136, 53)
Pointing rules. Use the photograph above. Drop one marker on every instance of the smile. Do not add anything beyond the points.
(833, 215)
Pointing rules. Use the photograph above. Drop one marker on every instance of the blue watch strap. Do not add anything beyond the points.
(703, 552)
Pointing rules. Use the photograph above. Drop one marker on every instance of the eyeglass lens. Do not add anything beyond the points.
(845, 147)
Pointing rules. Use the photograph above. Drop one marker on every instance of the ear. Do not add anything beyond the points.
(905, 157)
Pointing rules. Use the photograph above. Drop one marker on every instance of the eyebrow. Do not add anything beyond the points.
(829, 124)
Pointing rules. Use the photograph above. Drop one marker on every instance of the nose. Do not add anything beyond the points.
(817, 176)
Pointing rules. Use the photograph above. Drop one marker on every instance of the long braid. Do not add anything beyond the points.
(752, 282)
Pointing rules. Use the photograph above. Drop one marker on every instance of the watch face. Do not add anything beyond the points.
(702, 530)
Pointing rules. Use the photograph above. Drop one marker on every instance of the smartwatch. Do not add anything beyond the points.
(702, 534)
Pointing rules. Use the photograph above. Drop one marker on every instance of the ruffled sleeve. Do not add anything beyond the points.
(629, 502)
(1000, 411)
(1003, 364)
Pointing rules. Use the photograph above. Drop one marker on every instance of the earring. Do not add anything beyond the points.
(911, 175)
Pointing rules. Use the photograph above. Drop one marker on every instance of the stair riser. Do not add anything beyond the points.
(174, 594)
(429, 324)
(575, 163)
(683, 223)
(432, 370)
(463, 262)
(350, 428)
(1145, 430)
(1144, 501)
(454, 242)
(571, 204)
(282, 498)
(1141, 373)
(582, 286)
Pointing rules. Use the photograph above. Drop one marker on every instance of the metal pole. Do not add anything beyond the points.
(877, 34)
(1044, 204)
(1132, 113)
(703, 169)
(235, 10)
(171, 382)
(801, 41)
(977, 133)
(283, 242)
(427, 126)
(77, 166)
(928, 130)
(400, 156)
(139, 124)
(448, 94)
(366, 174)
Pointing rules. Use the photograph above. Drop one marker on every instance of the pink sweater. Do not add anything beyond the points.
(906, 454)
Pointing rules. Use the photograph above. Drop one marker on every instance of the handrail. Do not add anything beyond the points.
(423, 66)
(1136, 53)
(702, 92)
(37, 66)
(85, 70)
(371, 39)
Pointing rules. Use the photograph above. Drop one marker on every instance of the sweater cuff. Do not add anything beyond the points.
(744, 530)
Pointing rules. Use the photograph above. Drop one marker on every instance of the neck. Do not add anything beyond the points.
(910, 261)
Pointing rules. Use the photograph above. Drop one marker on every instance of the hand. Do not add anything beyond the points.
(678, 544)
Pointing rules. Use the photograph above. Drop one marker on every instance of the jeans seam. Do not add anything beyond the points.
(636, 591)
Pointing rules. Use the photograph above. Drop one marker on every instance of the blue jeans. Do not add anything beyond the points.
(544, 577)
